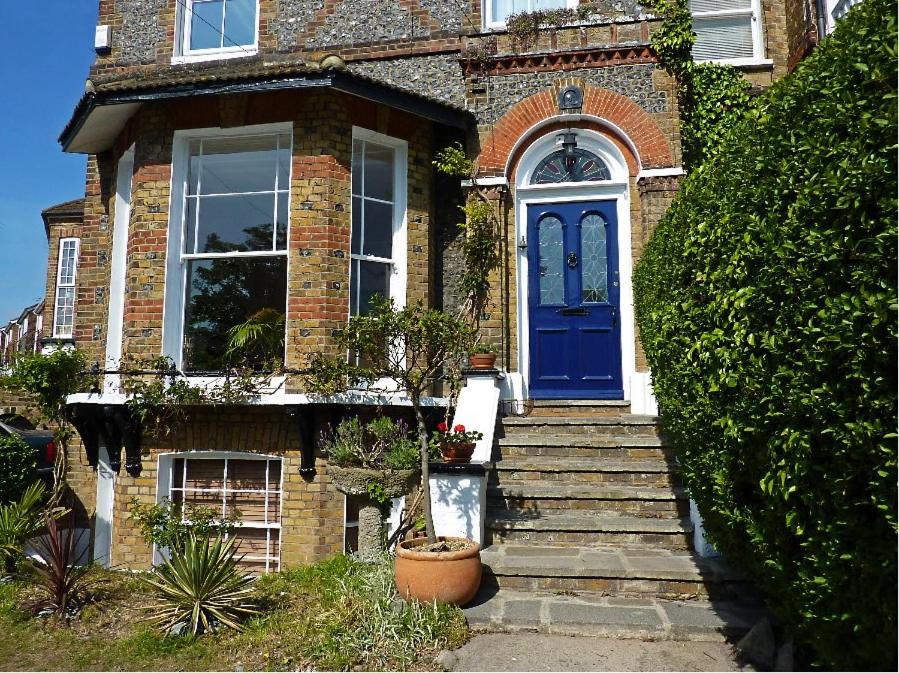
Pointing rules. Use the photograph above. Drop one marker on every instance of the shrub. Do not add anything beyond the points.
(17, 467)
(19, 521)
(62, 580)
(766, 301)
(379, 444)
(167, 525)
(201, 587)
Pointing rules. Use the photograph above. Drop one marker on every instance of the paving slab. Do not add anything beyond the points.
(543, 652)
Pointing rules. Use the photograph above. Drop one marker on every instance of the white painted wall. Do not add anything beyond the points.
(459, 504)
(476, 409)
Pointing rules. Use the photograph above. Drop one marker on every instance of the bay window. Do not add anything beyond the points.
(233, 217)
(727, 30)
(378, 236)
(496, 12)
(64, 302)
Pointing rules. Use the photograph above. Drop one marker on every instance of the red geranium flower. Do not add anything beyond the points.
(459, 428)
(443, 427)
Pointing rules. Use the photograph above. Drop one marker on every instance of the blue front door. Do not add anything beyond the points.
(574, 301)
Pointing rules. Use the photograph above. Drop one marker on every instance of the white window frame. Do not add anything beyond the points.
(164, 489)
(493, 23)
(177, 259)
(754, 11)
(183, 52)
(56, 326)
(398, 278)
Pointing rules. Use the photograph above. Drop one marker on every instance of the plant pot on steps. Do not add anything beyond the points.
(355, 481)
(445, 577)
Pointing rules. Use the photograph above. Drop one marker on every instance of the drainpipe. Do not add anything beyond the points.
(821, 11)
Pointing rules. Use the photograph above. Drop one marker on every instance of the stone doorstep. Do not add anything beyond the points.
(587, 522)
(566, 491)
(567, 464)
(583, 440)
(612, 562)
(596, 615)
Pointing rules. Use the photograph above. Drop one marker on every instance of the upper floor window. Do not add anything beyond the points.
(378, 241)
(497, 11)
(216, 28)
(233, 223)
(64, 303)
(727, 30)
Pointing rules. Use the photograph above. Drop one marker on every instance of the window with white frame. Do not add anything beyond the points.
(497, 11)
(377, 249)
(247, 488)
(727, 30)
(234, 220)
(64, 302)
(215, 28)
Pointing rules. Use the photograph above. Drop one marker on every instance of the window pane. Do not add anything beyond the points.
(67, 263)
(505, 8)
(249, 507)
(206, 24)
(233, 165)
(552, 272)
(358, 156)
(240, 23)
(274, 475)
(235, 223)
(549, 4)
(378, 229)
(374, 279)
(378, 172)
(283, 218)
(285, 154)
(718, 5)
(222, 293)
(65, 311)
(208, 474)
(356, 246)
(594, 265)
(723, 37)
(246, 474)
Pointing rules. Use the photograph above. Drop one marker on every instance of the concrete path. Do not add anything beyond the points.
(543, 652)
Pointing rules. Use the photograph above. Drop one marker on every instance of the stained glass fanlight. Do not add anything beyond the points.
(570, 165)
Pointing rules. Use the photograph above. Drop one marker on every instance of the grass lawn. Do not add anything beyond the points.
(337, 615)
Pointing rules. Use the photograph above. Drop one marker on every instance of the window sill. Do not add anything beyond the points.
(739, 62)
(214, 56)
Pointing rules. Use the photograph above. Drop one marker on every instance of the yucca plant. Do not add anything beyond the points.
(20, 521)
(202, 587)
(62, 581)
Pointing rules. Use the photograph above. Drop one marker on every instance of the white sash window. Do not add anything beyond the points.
(727, 30)
(64, 304)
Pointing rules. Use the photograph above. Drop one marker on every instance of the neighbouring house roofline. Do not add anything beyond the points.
(62, 211)
(103, 111)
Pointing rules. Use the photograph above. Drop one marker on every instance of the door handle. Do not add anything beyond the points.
(572, 260)
(614, 316)
(573, 311)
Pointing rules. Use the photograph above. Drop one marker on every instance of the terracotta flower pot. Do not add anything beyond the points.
(447, 577)
(457, 452)
(482, 360)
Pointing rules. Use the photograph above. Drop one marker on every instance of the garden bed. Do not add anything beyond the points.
(337, 615)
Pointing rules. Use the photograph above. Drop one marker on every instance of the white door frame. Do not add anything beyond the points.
(118, 269)
(617, 189)
(106, 478)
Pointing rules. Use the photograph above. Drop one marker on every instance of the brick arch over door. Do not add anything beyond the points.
(629, 118)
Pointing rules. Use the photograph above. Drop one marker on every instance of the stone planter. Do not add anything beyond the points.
(354, 481)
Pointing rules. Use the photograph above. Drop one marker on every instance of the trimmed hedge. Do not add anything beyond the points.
(766, 301)
(17, 466)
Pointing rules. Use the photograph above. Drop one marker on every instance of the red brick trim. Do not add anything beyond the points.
(636, 124)
(562, 60)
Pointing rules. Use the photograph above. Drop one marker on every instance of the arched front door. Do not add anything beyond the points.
(572, 192)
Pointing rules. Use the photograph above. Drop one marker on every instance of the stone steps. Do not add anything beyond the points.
(626, 423)
(576, 408)
(540, 496)
(586, 529)
(656, 472)
(591, 614)
(617, 570)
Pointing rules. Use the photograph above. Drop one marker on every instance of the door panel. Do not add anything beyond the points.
(574, 301)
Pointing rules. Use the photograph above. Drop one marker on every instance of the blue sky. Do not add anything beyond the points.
(49, 51)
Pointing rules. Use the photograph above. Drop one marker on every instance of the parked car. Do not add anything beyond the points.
(41, 441)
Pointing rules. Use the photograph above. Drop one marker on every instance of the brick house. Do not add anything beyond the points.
(276, 154)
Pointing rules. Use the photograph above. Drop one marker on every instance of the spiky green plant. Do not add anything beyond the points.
(201, 586)
(19, 521)
(63, 581)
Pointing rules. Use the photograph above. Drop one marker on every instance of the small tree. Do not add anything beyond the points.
(405, 350)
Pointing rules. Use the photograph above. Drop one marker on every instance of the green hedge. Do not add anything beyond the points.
(766, 301)
(17, 466)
